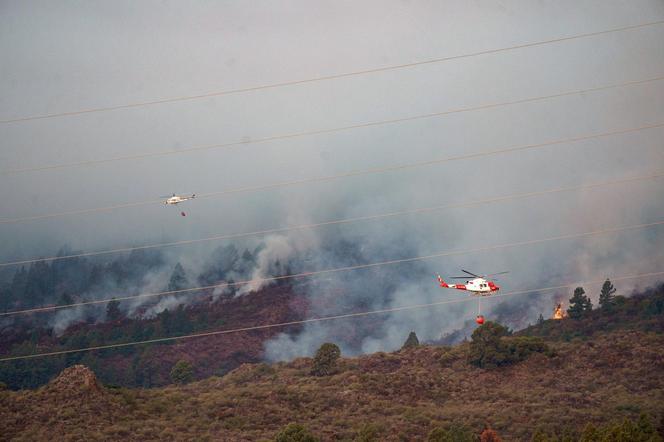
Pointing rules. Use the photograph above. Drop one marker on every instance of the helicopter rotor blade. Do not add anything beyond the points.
(499, 273)
(466, 271)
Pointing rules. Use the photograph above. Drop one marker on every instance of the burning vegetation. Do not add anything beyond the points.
(558, 312)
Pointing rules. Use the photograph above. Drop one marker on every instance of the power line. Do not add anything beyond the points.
(326, 131)
(324, 78)
(319, 319)
(320, 179)
(653, 175)
(336, 270)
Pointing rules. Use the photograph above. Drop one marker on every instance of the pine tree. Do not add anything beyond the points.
(65, 299)
(113, 312)
(165, 321)
(39, 286)
(412, 341)
(579, 304)
(606, 296)
(19, 283)
(178, 279)
(181, 323)
(540, 320)
(16, 289)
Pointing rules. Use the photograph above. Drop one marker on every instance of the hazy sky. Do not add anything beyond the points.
(66, 56)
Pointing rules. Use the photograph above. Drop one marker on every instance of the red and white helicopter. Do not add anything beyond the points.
(477, 286)
(177, 199)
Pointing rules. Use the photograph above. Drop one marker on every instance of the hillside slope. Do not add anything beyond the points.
(149, 365)
(401, 395)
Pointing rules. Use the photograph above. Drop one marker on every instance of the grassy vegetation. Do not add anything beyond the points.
(568, 380)
(385, 396)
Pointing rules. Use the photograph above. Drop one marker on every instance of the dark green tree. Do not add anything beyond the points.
(97, 275)
(39, 286)
(19, 281)
(181, 323)
(325, 361)
(113, 312)
(579, 304)
(145, 367)
(65, 299)
(178, 279)
(295, 433)
(606, 295)
(540, 320)
(411, 342)
(182, 372)
(486, 347)
(166, 322)
(17, 287)
(5, 298)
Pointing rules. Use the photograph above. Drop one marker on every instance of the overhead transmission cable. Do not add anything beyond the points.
(272, 138)
(377, 170)
(319, 319)
(420, 210)
(324, 77)
(336, 270)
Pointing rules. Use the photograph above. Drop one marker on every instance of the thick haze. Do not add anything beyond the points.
(72, 56)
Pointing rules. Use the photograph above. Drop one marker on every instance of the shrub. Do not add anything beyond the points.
(540, 436)
(295, 433)
(522, 347)
(439, 435)
(489, 435)
(368, 433)
(489, 348)
(325, 361)
(643, 430)
(456, 433)
(589, 434)
(182, 372)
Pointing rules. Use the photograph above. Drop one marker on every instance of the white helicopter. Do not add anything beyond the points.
(478, 286)
(174, 200)
(177, 199)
